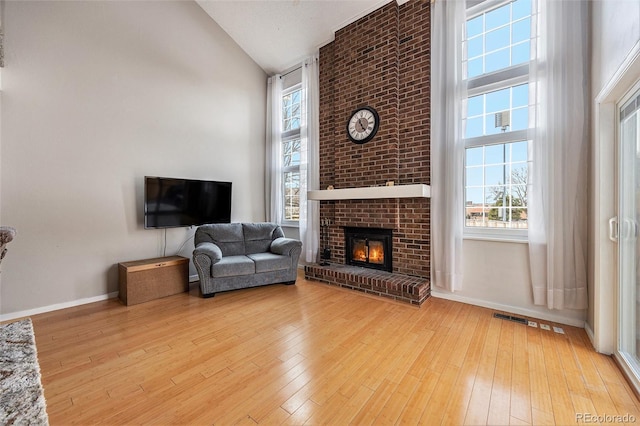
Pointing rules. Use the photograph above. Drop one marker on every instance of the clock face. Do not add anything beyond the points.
(363, 125)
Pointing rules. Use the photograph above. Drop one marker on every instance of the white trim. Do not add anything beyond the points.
(508, 308)
(605, 270)
(372, 192)
(79, 302)
(290, 223)
(58, 306)
(515, 75)
(500, 234)
(621, 78)
(498, 138)
(627, 372)
(589, 331)
(290, 135)
(507, 238)
(476, 8)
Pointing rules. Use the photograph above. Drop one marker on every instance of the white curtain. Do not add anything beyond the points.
(558, 195)
(309, 159)
(273, 177)
(447, 147)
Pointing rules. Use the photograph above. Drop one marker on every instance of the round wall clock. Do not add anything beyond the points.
(363, 125)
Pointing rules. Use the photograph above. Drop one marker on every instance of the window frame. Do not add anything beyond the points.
(482, 84)
(287, 136)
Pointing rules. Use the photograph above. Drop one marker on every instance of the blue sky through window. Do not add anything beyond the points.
(499, 38)
(481, 110)
(496, 174)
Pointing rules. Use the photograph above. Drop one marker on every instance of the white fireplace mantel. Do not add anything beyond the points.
(372, 192)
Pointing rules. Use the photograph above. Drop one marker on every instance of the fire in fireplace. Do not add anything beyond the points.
(368, 247)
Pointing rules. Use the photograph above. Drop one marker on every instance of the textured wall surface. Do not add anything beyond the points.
(382, 61)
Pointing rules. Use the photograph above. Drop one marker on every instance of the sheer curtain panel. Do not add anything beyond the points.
(447, 148)
(558, 195)
(273, 178)
(309, 159)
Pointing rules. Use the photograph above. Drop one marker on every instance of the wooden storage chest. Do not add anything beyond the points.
(149, 279)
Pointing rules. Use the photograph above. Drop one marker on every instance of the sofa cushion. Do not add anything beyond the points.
(228, 236)
(267, 262)
(231, 266)
(258, 236)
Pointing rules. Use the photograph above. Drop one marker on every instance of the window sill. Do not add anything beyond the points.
(498, 239)
(290, 224)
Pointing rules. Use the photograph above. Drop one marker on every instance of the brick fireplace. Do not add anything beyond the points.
(382, 61)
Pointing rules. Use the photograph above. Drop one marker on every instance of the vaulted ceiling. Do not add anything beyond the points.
(278, 34)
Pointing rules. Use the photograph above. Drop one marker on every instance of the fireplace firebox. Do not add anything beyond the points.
(369, 247)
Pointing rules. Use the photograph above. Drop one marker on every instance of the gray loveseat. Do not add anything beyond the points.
(230, 256)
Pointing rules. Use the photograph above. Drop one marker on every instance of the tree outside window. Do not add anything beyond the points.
(497, 48)
(291, 116)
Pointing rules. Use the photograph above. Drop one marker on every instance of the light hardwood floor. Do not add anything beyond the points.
(312, 353)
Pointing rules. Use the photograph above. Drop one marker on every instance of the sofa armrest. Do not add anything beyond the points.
(284, 246)
(210, 250)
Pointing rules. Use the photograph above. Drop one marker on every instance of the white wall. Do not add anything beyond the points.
(96, 95)
(616, 28)
(615, 33)
(496, 275)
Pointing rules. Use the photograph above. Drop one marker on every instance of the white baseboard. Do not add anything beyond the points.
(57, 306)
(511, 309)
(193, 278)
(590, 334)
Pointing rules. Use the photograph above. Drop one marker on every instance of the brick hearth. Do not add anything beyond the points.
(403, 288)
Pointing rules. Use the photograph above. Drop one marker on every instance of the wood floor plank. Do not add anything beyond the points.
(480, 398)
(500, 400)
(563, 409)
(419, 400)
(398, 400)
(345, 414)
(441, 396)
(312, 353)
(521, 398)
(458, 403)
(538, 381)
(370, 411)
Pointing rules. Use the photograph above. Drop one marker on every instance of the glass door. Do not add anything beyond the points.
(627, 233)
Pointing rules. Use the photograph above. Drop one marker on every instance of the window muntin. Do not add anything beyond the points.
(291, 154)
(291, 178)
(481, 110)
(497, 52)
(498, 38)
(291, 109)
(496, 185)
(291, 195)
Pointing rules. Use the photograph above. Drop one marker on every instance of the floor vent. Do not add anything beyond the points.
(510, 318)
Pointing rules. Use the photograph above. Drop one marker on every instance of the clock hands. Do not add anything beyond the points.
(362, 126)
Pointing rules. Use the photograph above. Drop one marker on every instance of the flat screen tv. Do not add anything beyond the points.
(172, 202)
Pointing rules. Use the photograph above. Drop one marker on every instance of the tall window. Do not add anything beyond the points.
(291, 116)
(497, 50)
